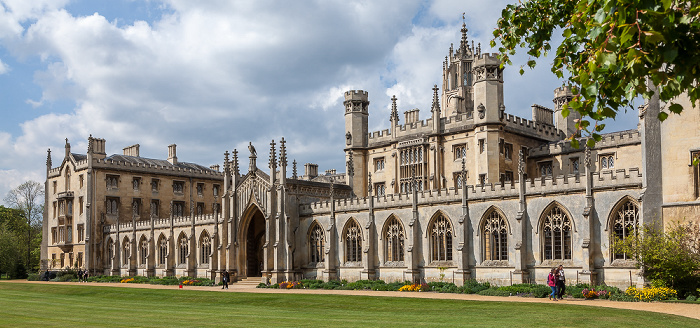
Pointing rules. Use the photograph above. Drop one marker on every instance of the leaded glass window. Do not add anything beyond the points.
(557, 235)
(495, 237)
(395, 238)
(353, 242)
(441, 239)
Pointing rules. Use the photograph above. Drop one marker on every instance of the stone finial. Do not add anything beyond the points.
(351, 165)
(283, 153)
(587, 158)
(273, 156)
(394, 111)
(332, 190)
(294, 169)
(464, 172)
(67, 148)
(464, 44)
(89, 150)
(436, 103)
(235, 162)
(251, 148)
(48, 158)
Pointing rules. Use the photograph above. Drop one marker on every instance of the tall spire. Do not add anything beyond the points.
(294, 169)
(273, 157)
(464, 44)
(394, 111)
(283, 153)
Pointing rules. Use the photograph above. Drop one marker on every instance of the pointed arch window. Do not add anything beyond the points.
(625, 221)
(204, 248)
(162, 250)
(353, 242)
(495, 237)
(441, 239)
(183, 249)
(557, 235)
(316, 243)
(395, 239)
(143, 252)
(110, 249)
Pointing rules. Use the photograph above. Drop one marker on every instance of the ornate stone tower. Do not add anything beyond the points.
(488, 89)
(457, 78)
(356, 139)
(567, 125)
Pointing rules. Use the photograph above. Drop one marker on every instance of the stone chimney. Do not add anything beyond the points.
(172, 154)
(97, 148)
(411, 116)
(310, 170)
(541, 114)
(215, 167)
(132, 150)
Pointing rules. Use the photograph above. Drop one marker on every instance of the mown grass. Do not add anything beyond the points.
(89, 306)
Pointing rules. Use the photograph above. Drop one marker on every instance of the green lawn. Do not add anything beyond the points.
(88, 306)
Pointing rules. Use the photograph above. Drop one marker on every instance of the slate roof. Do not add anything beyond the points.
(158, 162)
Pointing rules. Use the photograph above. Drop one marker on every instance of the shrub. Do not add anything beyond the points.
(34, 277)
(494, 291)
(691, 298)
(472, 286)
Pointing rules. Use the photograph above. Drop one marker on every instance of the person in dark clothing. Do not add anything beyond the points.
(561, 282)
(225, 279)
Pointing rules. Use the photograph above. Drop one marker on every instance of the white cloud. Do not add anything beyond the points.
(213, 75)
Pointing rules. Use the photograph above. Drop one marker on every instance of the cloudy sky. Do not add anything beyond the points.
(212, 75)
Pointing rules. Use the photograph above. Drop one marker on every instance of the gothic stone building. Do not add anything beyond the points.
(471, 192)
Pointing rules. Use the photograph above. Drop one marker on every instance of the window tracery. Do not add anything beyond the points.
(394, 244)
(353, 242)
(441, 239)
(495, 237)
(557, 235)
(316, 243)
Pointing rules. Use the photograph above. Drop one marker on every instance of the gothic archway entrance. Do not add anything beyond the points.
(254, 241)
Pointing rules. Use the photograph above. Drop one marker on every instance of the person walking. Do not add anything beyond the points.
(561, 282)
(552, 283)
(224, 279)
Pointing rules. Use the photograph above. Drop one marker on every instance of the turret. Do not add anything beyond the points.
(488, 89)
(356, 115)
(172, 154)
(567, 125)
(356, 139)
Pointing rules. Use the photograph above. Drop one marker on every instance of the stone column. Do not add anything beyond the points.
(330, 272)
(463, 232)
(587, 274)
(412, 235)
(520, 274)
(369, 247)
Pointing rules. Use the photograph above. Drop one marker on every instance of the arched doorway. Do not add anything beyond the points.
(255, 239)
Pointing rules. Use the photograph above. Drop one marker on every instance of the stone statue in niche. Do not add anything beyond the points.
(348, 138)
(482, 111)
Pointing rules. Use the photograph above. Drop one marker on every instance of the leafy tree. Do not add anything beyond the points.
(9, 250)
(670, 255)
(28, 198)
(613, 51)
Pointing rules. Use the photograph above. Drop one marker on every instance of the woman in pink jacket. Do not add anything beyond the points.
(552, 282)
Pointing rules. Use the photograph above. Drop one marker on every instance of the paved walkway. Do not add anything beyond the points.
(682, 309)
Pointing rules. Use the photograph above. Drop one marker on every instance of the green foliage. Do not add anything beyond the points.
(669, 258)
(610, 49)
(494, 291)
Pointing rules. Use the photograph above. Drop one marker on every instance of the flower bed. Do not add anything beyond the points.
(651, 294)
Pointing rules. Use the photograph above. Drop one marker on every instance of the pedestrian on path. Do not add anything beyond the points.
(561, 282)
(224, 279)
(552, 283)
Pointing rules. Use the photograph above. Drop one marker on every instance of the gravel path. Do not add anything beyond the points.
(682, 309)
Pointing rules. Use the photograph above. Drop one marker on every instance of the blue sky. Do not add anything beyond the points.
(213, 75)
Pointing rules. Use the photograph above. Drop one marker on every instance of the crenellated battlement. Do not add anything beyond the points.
(543, 130)
(608, 140)
(567, 184)
(360, 95)
(487, 59)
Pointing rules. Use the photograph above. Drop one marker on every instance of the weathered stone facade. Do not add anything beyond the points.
(471, 192)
